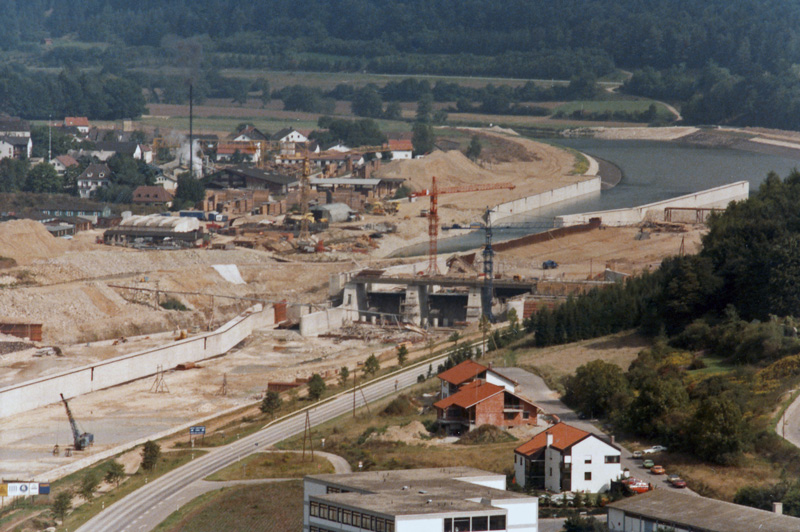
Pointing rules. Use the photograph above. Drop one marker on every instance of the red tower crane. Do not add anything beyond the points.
(433, 214)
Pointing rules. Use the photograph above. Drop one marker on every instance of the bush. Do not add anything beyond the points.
(150, 454)
(172, 304)
(401, 406)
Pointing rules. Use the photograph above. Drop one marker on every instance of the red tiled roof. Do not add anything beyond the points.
(564, 436)
(67, 160)
(400, 145)
(470, 394)
(463, 372)
(76, 121)
(151, 194)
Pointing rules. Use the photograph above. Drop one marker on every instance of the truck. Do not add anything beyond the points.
(200, 215)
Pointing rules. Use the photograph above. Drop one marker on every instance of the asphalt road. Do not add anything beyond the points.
(789, 424)
(145, 508)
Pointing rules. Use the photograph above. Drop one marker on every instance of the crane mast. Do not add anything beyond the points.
(433, 214)
(80, 441)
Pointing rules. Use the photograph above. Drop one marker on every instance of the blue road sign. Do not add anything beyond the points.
(199, 429)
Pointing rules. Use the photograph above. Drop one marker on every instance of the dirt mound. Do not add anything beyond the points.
(26, 241)
(401, 406)
(486, 434)
(411, 433)
(451, 168)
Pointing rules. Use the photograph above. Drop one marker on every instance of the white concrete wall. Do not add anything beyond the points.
(552, 463)
(499, 380)
(497, 482)
(523, 514)
(602, 473)
(713, 197)
(324, 321)
(519, 470)
(418, 523)
(544, 199)
(44, 391)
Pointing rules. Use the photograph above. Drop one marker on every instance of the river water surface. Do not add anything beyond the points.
(651, 171)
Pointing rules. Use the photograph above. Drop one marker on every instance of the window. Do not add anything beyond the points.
(509, 415)
(461, 524)
(356, 519)
(497, 522)
(587, 459)
(587, 475)
(479, 524)
(526, 415)
(613, 459)
(331, 489)
(347, 516)
(448, 524)
(314, 511)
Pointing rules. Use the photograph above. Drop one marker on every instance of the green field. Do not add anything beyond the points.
(275, 507)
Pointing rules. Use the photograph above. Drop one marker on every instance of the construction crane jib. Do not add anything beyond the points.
(433, 214)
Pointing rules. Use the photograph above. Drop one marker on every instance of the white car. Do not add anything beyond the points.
(655, 449)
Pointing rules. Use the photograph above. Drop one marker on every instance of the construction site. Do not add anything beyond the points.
(189, 334)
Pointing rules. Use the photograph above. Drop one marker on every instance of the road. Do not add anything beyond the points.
(789, 424)
(145, 508)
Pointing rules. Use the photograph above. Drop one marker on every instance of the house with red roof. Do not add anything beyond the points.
(81, 123)
(478, 401)
(401, 148)
(469, 370)
(566, 458)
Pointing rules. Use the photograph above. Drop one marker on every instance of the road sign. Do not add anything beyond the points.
(199, 429)
(3, 490)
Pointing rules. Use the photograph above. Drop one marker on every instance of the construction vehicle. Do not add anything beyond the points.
(81, 440)
(433, 214)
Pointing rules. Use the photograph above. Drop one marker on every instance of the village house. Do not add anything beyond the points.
(15, 148)
(250, 133)
(95, 176)
(74, 207)
(63, 162)
(80, 123)
(475, 395)
(152, 195)
(565, 458)
(247, 151)
(401, 149)
(289, 135)
(451, 499)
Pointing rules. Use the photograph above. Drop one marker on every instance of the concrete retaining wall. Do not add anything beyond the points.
(43, 391)
(713, 197)
(326, 320)
(544, 199)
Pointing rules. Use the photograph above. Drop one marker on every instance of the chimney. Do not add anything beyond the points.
(612, 439)
(549, 439)
(777, 507)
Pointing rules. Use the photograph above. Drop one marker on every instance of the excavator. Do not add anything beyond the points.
(80, 440)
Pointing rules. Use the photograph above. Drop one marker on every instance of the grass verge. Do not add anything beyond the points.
(273, 465)
(275, 507)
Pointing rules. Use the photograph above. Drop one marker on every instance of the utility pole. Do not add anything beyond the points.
(49, 138)
(191, 131)
(307, 435)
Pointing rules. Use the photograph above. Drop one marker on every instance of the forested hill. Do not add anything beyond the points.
(743, 35)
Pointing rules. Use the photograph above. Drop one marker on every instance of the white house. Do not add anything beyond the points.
(15, 147)
(63, 162)
(457, 376)
(455, 499)
(401, 149)
(289, 135)
(95, 176)
(81, 123)
(565, 458)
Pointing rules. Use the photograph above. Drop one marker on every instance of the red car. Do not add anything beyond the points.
(678, 483)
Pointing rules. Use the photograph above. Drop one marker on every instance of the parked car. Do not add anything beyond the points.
(678, 483)
(670, 478)
(647, 464)
(657, 470)
(655, 449)
(549, 265)
(637, 454)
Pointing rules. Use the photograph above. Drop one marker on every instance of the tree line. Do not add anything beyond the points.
(99, 96)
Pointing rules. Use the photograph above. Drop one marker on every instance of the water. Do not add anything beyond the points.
(651, 171)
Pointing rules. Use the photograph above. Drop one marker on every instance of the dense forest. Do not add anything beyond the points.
(722, 61)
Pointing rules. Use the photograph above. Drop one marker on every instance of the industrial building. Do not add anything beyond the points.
(683, 512)
(155, 229)
(419, 500)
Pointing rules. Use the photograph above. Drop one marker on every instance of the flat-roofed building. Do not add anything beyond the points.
(683, 512)
(455, 499)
